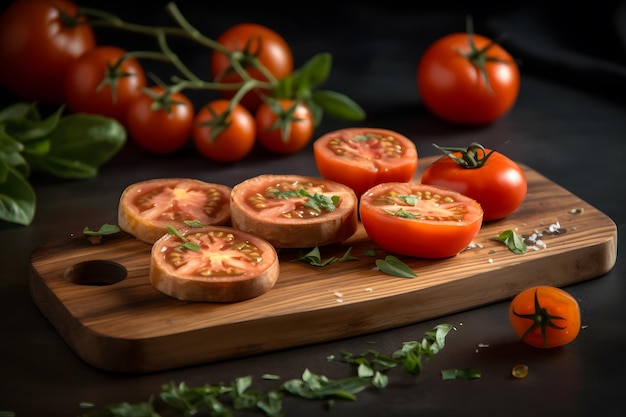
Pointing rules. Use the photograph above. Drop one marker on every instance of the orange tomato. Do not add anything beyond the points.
(545, 316)
(419, 220)
(364, 157)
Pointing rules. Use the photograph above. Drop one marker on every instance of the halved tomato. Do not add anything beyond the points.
(293, 211)
(213, 264)
(364, 157)
(147, 208)
(420, 220)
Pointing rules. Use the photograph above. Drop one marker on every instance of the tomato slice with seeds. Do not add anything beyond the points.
(293, 211)
(147, 208)
(213, 264)
(420, 220)
(364, 157)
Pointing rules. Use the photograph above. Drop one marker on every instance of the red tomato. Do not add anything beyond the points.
(164, 129)
(231, 144)
(284, 128)
(545, 316)
(364, 157)
(453, 86)
(36, 48)
(227, 265)
(146, 208)
(255, 40)
(89, 80)
(408, 218)
(293, 211)
(487, 176)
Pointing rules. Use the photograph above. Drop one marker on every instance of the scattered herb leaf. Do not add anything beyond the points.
(403, 213)
(314, 257)
(465, 373)
(105, 229)
(194, 223)
(317, 202)
(187, 244)
(394, 266)
(314, 386)
(512, 240)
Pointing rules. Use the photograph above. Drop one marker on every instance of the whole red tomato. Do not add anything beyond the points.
(160, 121)
(545, 316)
(96, 84)
(467, 79)
(37, 46)
(284, 126)
(255, 41)
(222, 136)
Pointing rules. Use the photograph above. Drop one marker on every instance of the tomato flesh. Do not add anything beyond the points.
(364, 157)
(419, 220)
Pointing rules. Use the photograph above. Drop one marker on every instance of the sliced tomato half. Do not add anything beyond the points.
(147, 208)
(420, 220)
(213, 264)
(293, 211)
(364, 157)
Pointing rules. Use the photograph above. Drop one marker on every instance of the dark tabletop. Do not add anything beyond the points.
(568, 124)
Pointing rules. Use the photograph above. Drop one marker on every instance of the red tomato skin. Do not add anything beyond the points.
(499, 186)
(85, 75)
(233, 143)
(158, 131)
(419, 238)
(557, 302)
(299, 136)
(36, 48)
(452, 88)
(273, 52)
(361, 166)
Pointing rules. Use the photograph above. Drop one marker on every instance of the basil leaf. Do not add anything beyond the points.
(513, 241)
(17, 197)
(338, 105)
(394, 266)
(105, 229)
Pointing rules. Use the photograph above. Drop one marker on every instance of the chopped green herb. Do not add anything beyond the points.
(403, 213)
(394, 266)
(194, 223)
(512, 240)
(465, 373)
(314, 257)
(410, 199)
(317, 202)
(314, 386)
(369, 252)
(187, 244)
(105, 229)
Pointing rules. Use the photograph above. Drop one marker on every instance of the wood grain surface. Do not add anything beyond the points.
(98, 296)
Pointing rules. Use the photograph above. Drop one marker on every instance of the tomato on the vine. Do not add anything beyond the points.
(364, 157)
(409, 218)
(254, 41)
(98, 83)
(223, 135)
(545, 316)
(467, 78)
(160, 121)
(284, 126)
(494, 180)
(38, 41)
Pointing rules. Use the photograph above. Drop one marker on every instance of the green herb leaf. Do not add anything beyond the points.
(338, 105)
(105, 229)
(17, 197)
(313, 386)
(513, 241)
(403, 213)
(465, 373)
(314, 257)
(394, 266)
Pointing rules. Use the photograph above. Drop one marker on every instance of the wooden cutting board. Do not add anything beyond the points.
(98, 296)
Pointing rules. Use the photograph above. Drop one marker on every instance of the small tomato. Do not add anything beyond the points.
(284, 126)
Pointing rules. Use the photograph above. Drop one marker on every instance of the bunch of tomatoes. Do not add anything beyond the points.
(57, 60)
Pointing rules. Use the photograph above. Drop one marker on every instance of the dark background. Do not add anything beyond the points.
(569, 124)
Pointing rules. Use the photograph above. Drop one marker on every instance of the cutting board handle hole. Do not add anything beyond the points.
(96, 273)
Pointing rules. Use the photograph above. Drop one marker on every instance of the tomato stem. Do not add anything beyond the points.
(541, 320)
(472, 157)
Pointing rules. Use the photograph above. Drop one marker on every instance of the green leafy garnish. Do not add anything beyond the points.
(403, 213)
(313, 386)
(317, 201)
(105, 229)
(187, 244)
(465, 373)
(314, 257)
(394, 266)
(512, 240)
(194, 223)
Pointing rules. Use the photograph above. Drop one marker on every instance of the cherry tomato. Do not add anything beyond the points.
(254, 40)
(408, 218)
(293, 211)
(236, 132)
(364, 157)
(227, 265)
(452, 84)
(487, 176)
(545, 316)
(89, 80)
(146, 208)
(160, 122)
(284, 126)
(36, 48)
